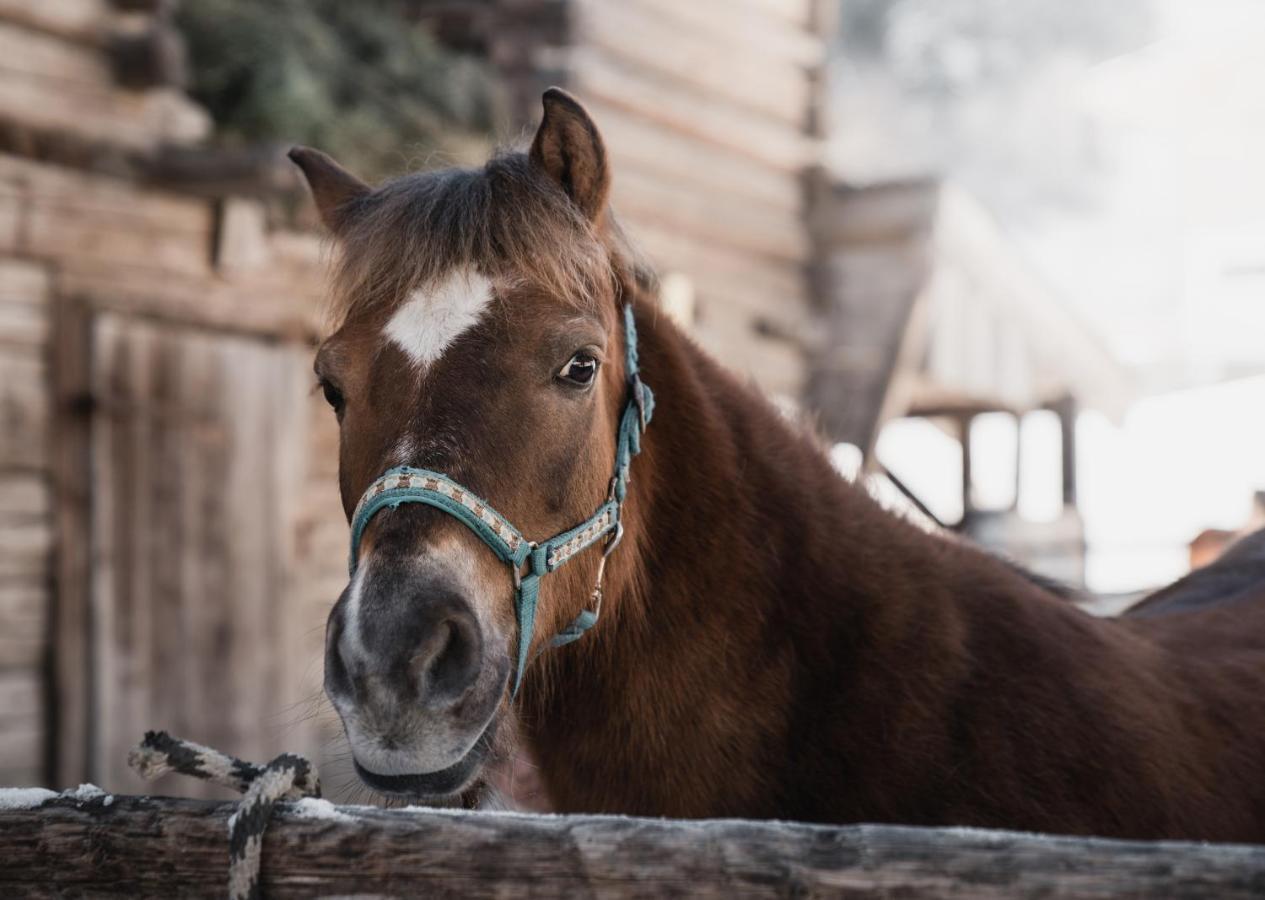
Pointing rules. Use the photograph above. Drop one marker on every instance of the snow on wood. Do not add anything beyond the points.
(145, 846)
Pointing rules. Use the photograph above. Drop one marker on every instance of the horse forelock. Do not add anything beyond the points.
(505, 221)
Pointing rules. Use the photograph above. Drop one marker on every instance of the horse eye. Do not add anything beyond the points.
(333, 397)
(579, 369)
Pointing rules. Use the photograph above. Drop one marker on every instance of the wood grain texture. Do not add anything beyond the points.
(80, 20)
(71, 675)
(714, 64)
(142, 846)
(196, 596)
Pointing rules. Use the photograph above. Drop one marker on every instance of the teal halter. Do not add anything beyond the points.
(404, 484)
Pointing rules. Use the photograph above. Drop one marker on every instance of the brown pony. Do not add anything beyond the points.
(772, 643)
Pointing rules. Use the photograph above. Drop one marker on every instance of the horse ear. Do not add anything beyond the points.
(333, 187)
(569, 149)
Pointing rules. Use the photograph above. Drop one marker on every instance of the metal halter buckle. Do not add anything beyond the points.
(596, 597)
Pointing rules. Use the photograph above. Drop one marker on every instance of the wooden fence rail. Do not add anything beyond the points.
(90, 843)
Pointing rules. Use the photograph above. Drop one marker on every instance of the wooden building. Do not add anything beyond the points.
(929, 313)
(168, 508)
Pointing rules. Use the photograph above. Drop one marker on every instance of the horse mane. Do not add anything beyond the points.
(506, 219)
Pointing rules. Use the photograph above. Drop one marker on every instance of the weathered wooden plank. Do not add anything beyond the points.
(24, 408)
(29, 52)
(82, 20)
(594, 74)
(23, 281)
(738, 24)
(19, 694)
(24, 314)
(196, 597)
(63, 209)
(21, 752)
(732, 335)
(101, 193)
(711, 216)
(721, 69)
(797, 12)
(254, 170)
(147, 57)
(11, 206)
(24, 496)
(158, 847)
(23, 324)
(21, 721)
(135, 120)
(640, 143)
(241, 237)
(59, 231)
(70, 464)
(27, 551)
(24, 607)
(750, 281)
(273, 304)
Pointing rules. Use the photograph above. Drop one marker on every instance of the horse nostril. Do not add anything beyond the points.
(447, 662)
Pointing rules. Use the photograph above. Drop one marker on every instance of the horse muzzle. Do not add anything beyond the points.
(416, 677)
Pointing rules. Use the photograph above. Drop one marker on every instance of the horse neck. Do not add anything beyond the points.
(747, 562)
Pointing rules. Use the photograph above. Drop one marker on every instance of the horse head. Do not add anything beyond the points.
(478, 338)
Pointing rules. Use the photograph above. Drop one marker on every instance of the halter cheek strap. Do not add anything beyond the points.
(528, 561)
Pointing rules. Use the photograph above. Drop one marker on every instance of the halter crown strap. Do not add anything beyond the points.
(527, 560)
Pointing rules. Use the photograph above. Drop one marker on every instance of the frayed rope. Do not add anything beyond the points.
(288, 777)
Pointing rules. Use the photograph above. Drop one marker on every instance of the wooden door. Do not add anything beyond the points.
(197, 624)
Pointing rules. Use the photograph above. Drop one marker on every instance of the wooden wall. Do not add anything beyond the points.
(26, 530)
(170, 532)
(170, 536)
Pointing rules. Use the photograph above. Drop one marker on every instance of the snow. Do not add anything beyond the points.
(314, 808)
(24, 798)
(30, 798)
(87, 792)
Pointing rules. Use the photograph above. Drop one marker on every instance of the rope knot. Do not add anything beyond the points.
(288, 777)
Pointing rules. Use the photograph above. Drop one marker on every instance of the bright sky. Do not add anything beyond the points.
(1171, 269)
(1167, 264)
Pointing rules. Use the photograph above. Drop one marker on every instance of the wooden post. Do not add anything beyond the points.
(71, 703)
(1066, 409)
(90, 842)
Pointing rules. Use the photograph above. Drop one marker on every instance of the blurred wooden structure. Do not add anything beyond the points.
(930, 314)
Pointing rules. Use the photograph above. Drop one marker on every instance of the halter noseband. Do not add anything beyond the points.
(528, 560)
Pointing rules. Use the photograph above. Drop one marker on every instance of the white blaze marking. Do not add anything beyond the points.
(432, 318)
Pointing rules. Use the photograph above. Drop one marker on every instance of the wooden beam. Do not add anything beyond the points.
(725, 69)
(595, 75)
(153, 56)
(80, 20)
(71, 688)
(139, 846)
(738, 24)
